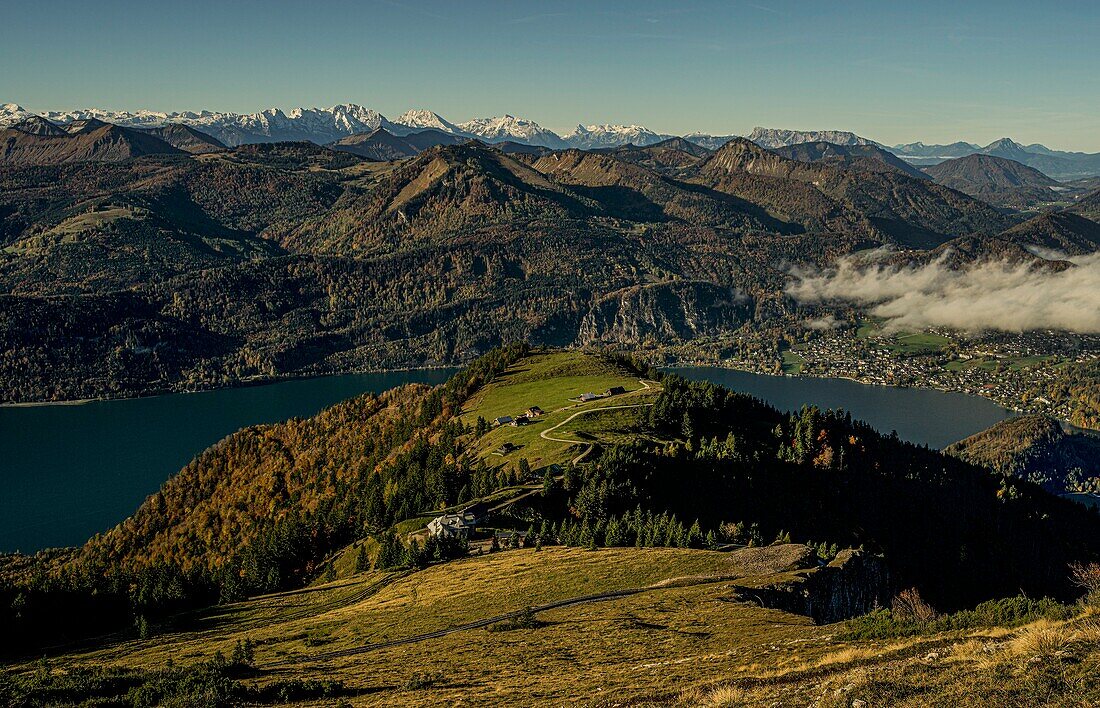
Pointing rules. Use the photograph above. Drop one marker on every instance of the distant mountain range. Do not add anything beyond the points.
(328, 125)
(1062, 166)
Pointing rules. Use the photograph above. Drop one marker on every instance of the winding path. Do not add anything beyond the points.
(545, 434)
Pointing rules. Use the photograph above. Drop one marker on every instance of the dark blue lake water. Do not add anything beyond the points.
(70, 471)
(934, 418)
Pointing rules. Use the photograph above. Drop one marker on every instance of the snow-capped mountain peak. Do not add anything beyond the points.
(320, 125)
(596, 136)
(509, 127)
(420, 119)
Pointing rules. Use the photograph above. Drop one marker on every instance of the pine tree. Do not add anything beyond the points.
(695, 536)
(362, 560)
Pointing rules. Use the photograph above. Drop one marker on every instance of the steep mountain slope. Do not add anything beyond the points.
(995, 179)
(632, 192)
(37, 125)
(417, 120)
(1038, 449)
(444, 192)
(778, 137)
(187, 139)
(913, 212)
(867, 157)
(1006, 148)
(382, 145)
(1064, 232)
(99, 226)
(191, 520)
(379, 144)
(84, 141)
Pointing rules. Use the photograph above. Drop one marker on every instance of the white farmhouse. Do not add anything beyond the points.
(452, 525)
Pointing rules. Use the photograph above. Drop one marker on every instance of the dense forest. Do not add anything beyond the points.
(263, 509)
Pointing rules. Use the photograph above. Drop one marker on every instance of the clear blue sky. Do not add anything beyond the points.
(894, 71)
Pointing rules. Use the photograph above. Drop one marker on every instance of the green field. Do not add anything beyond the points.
(792, 362)
(917, 343)
(549, 381)
(902, 343)
(868, 328)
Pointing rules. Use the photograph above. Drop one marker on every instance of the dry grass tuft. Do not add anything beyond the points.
(1088, 631)
(722, 696)
(983, 654)
(850, 655)
(1041, 640)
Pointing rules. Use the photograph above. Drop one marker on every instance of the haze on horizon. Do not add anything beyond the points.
(931, 71)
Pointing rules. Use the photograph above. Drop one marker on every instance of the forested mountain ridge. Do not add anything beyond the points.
(91, 140)
(869, 158)
(1038, 449)
(997, 180)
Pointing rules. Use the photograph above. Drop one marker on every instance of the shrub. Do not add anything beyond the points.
(1006, 612)
(423, 679)
(909, 606)
(1087, 577)
(524, 619)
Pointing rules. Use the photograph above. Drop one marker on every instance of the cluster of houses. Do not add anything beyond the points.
(521, 419)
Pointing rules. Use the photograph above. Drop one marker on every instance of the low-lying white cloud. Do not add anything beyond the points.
(822, 323)
(1012, 297)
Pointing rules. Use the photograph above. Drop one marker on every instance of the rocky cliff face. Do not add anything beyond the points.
(667, 311)
(853, 584)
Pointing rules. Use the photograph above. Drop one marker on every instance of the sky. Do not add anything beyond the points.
(973, 70)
